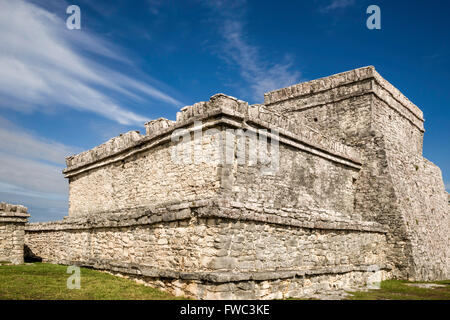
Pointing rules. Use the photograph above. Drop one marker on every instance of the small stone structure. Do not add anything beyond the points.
(12, 232)
(353, 197)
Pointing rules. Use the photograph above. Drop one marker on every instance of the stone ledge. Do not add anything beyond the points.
(13, 219)
(259, 115)
(11, 213)
(293, 140)
(212, 208)
(216, 276)
(112, 146)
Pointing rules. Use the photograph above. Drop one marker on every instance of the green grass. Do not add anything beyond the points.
(39, 281)
(399, 290)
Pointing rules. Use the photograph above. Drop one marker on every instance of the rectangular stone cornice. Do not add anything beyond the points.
(13, 215)
(219, 108)
(314, 87)
(112, 146)
(397, 95)
(217, 208)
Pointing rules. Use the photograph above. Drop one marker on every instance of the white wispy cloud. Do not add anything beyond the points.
(30, 169)
(261, 74)
(31, 177)
(18, 142)
(41, 65)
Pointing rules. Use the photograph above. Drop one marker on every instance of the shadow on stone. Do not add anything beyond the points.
(29, 256)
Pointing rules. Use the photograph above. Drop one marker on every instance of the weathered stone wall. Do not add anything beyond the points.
(396, 185)
(147, 177)
(217, 242)
(303, 180)
(136, 171)
(12, 233)
(315, 284)
(420, 196)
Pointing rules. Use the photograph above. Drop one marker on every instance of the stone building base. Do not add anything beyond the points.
(324, 282)
(307, 286)
(212, 251)
(304, 284)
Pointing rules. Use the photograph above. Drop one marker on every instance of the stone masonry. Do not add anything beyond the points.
(12, 232)
(352, 197)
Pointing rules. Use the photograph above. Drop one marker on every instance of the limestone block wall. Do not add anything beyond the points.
(419, 197)
(12, 233)
(396, 185)
(303, 180)
(145, 176)
(312, 170)
(199, 249)
(342, 107)
(134, 171)
(337, 106)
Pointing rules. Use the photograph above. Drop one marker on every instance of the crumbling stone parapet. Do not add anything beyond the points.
(154, 127)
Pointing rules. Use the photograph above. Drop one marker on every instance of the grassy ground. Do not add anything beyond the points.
(47, 281)
(400, 290)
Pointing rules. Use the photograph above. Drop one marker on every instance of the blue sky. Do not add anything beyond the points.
(64, 91)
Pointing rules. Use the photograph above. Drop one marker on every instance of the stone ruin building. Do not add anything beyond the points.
(353, 198)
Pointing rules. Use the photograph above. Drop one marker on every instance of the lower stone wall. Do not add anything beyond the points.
(11, 242)
(313, 284)
(12, 232)
(204, 251)
(422, 201)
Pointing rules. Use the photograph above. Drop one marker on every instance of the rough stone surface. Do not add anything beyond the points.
(202, 251)
(352, 196)
(12, 233)
(396, 185)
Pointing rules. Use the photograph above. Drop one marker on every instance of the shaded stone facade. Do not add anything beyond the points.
(352, 197)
